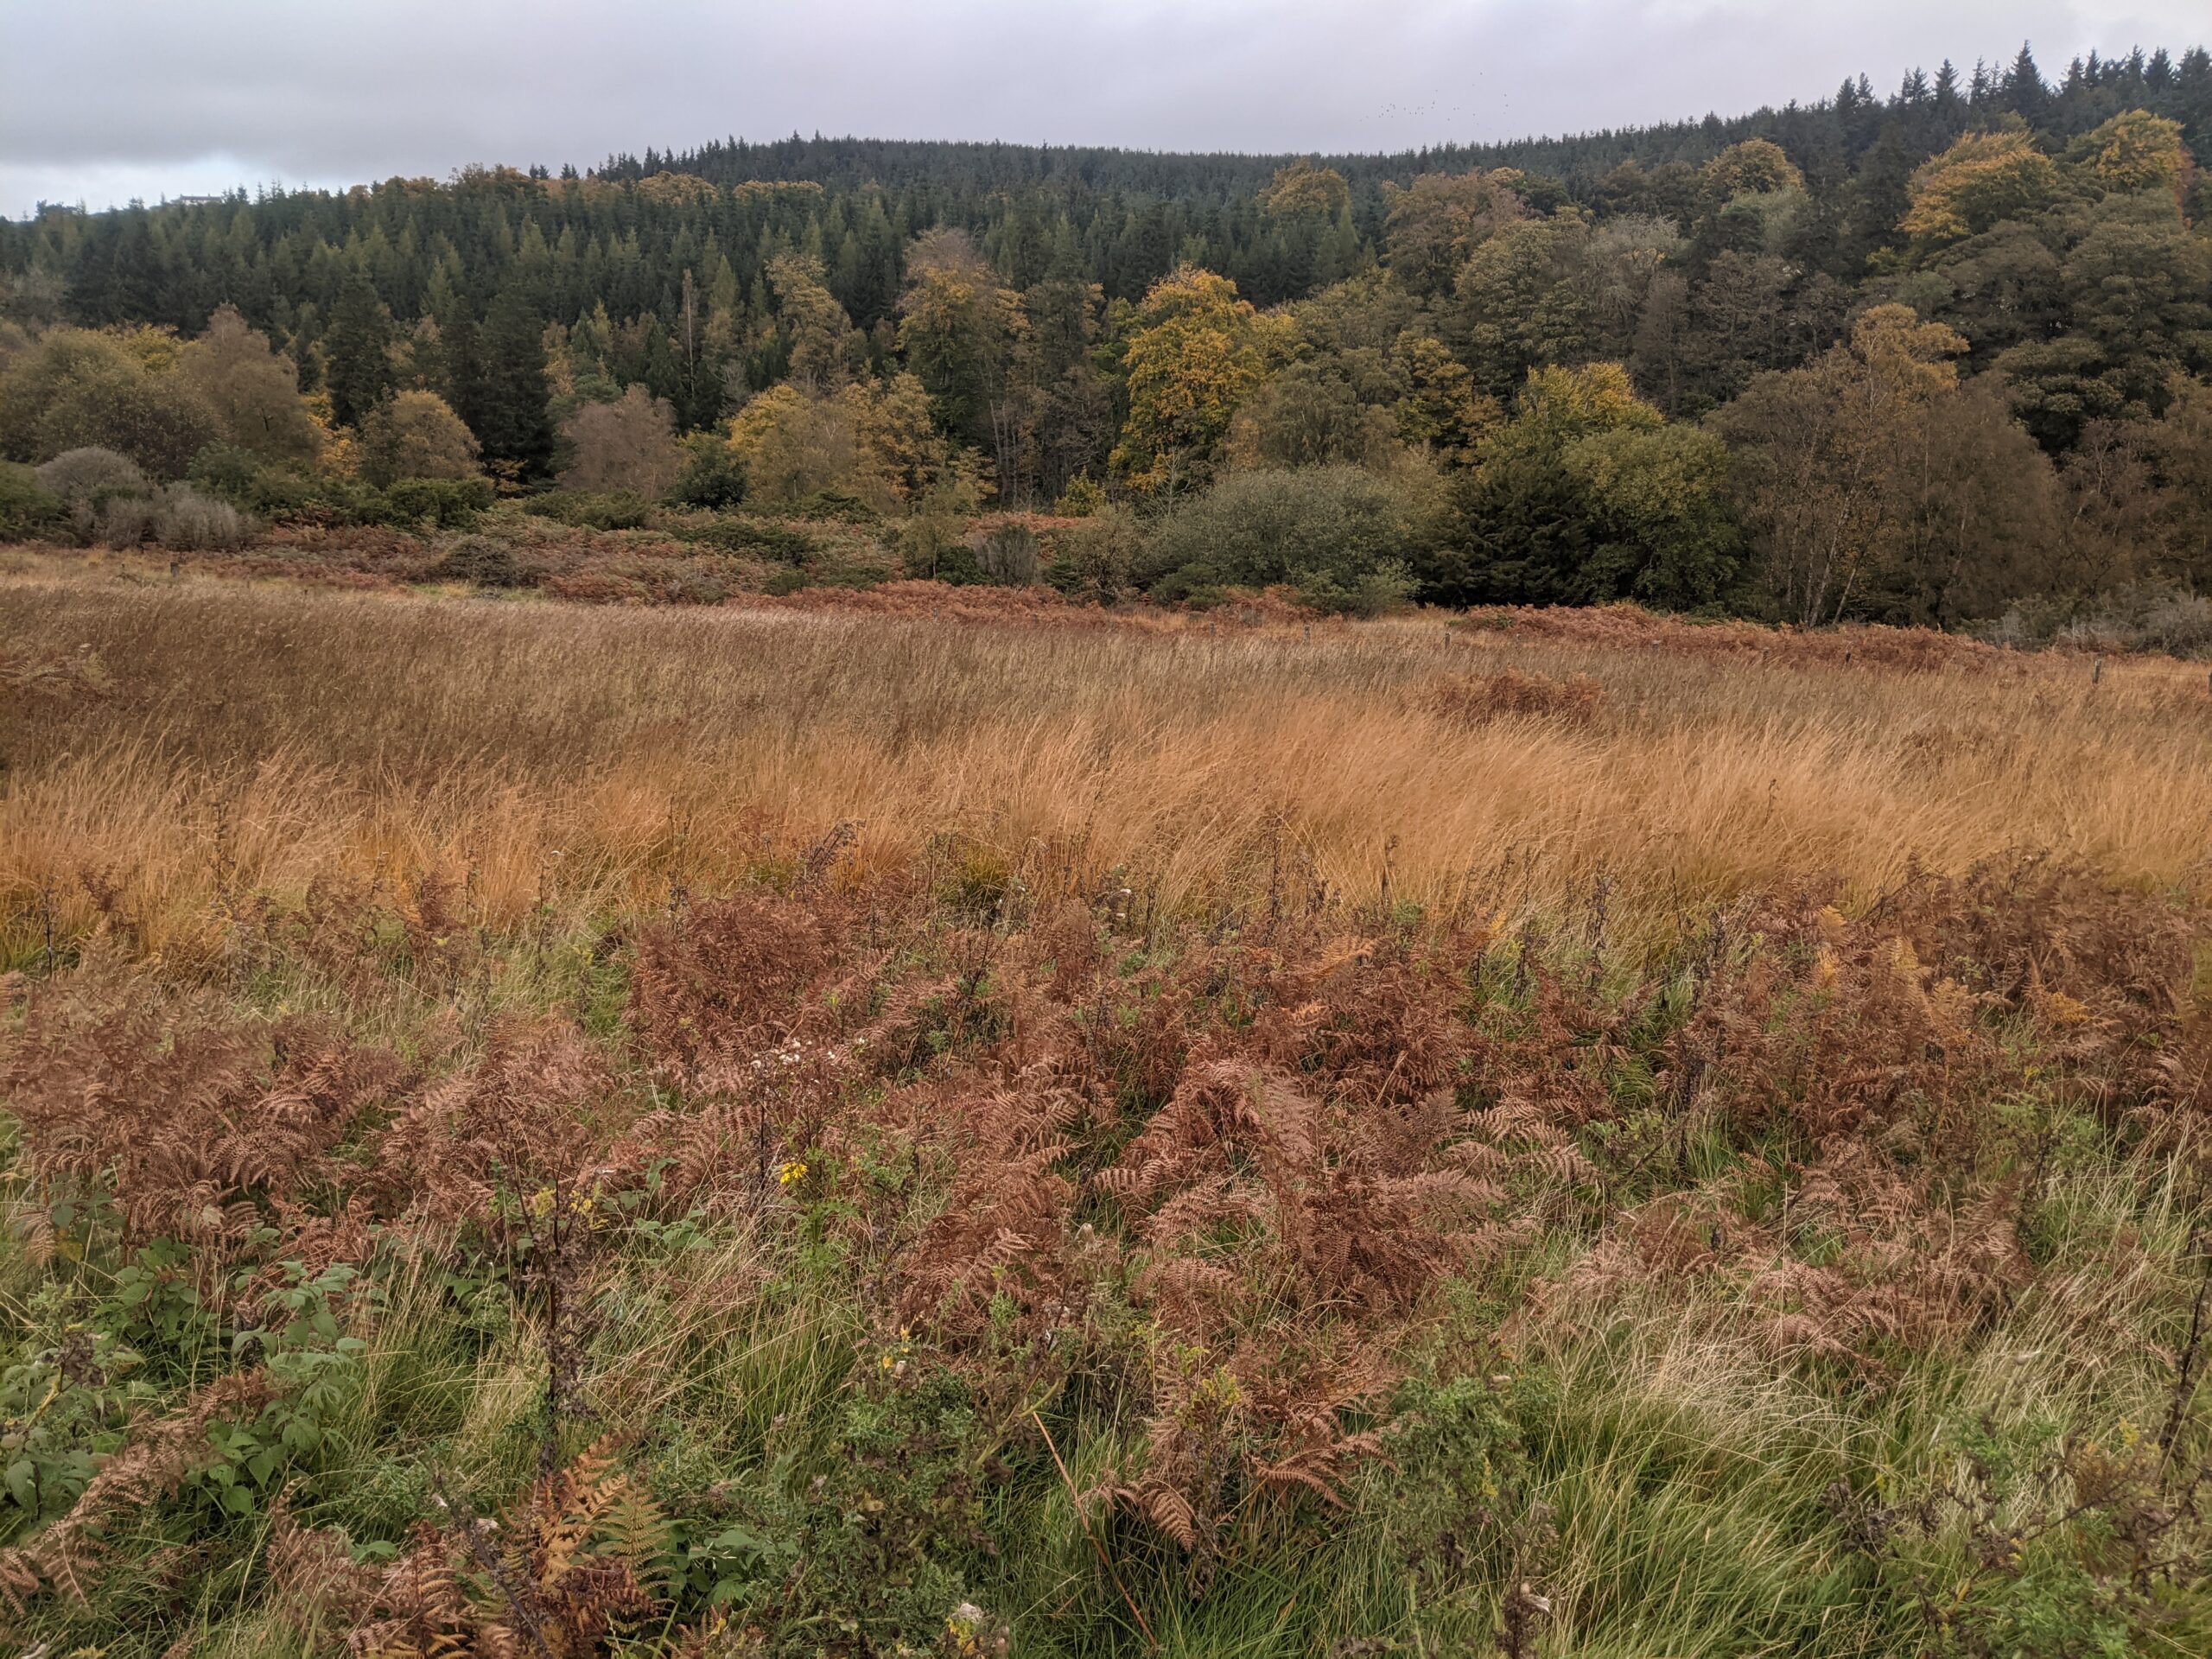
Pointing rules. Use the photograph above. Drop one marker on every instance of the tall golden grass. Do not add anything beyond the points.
(181, 743)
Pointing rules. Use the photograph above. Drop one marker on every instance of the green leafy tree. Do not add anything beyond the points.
(1585, 496)
(1516, 306)
(1303, 192)
(1872, 484)
(1308, 415)
(1432, 225)
(415, 434)
(818, 336)
(1756, 167)
(1985, 178)
(254, 391)
(957, 328)
(2136, 151)
(1663, 529)
(78, 390)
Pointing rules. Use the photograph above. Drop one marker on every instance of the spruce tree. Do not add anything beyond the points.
(508, 406)
(357, 352)
(2025, 91)
(1947, 87)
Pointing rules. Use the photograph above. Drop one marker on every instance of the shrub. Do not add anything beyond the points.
(235, 475)
(713, 477)
(183, 517)
(1007, 555)
(931, 549)
(105, 496)
(444, 503)
(1327, 528)
(123, 520)
(28, 508)
(1376, 593)
(1097, 558)
(2141, 619)
(754, 536)
(606, 510)
(480, 561)
(1083, 496)
(226, 470)
(1199, 584)
(837, 506)
(92, 475)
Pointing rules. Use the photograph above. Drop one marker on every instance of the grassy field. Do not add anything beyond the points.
(917, 1122)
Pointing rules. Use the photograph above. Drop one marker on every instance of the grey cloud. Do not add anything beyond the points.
(103, 99)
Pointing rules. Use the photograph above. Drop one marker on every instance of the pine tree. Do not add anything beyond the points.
(2025, 91)
(507, 410)
(357, 352)
(1947, 87)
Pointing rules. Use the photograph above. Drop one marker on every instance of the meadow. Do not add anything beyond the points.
(933, 1120)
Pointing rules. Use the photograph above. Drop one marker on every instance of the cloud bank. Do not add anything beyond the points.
(103, 100)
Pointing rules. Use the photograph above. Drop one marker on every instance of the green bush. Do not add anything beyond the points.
(586, 509)
(1198, 584)
(753, 536)
(27, 509)
(481, 561)
(931, 549)
(1097, 559)
(444, 503)
(837, 507)
(1383, 589)
(712, 478)
(1330, 529)
(247, 482)
(235, 475)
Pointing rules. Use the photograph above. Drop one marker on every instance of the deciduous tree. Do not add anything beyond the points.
(629, 444)
(1194, 355)
(254, 391)
(416, 435)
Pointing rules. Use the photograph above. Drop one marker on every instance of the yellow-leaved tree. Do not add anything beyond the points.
(1983, 179)
(1302, 190)
(820, 335)
(1756, 167)
(1195, 354)
(2135, 151)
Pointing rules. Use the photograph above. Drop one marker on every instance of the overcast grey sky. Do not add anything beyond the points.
(102, 101)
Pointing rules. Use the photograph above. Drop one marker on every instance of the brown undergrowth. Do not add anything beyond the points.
(1224, 1186)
